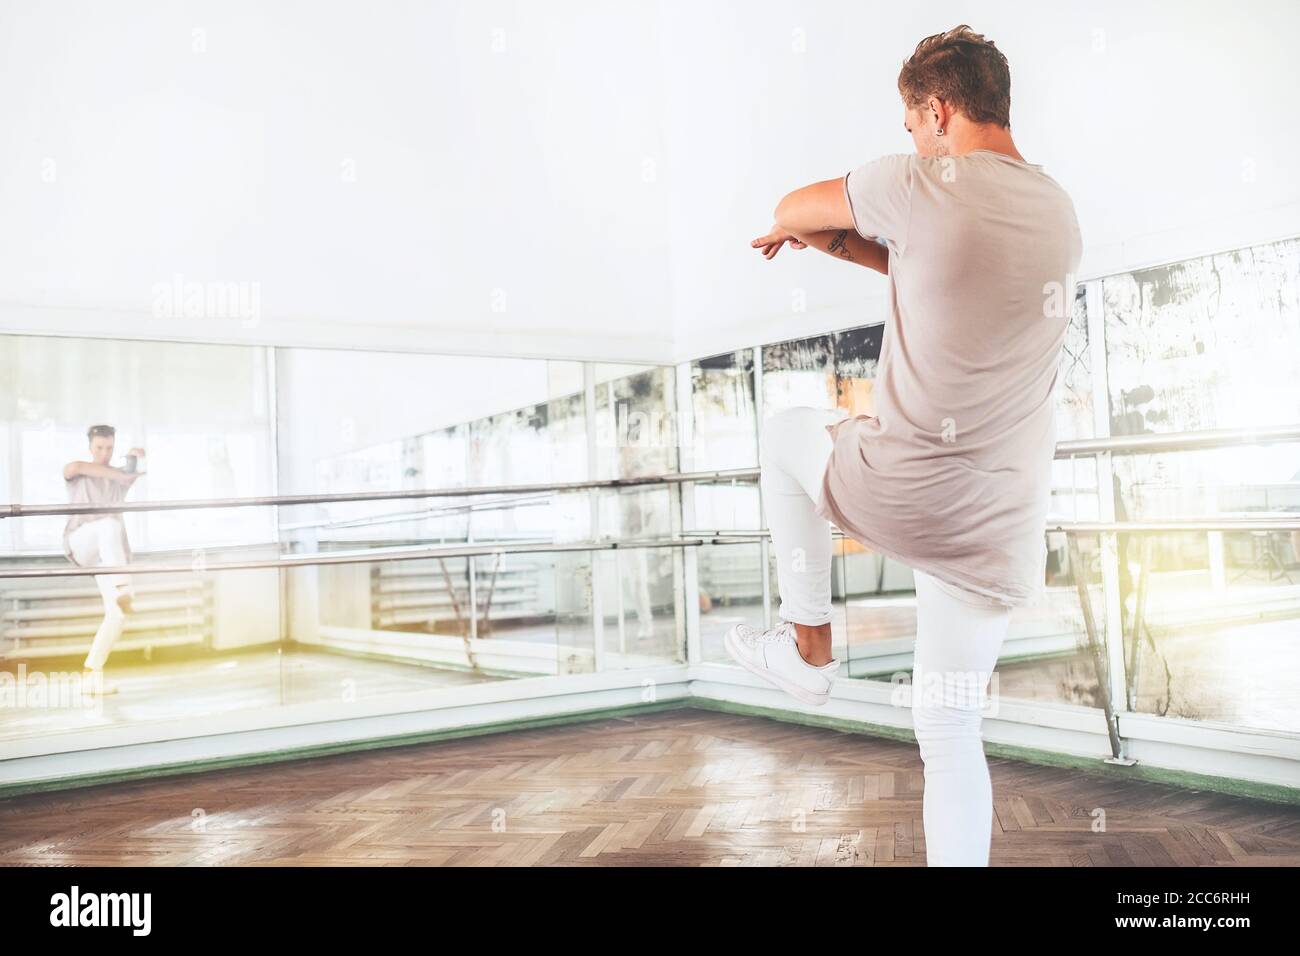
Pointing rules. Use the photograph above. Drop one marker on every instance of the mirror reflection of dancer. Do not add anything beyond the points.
(952, 474)
(99, 540)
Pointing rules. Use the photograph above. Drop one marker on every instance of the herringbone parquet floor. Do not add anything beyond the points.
(685, 787)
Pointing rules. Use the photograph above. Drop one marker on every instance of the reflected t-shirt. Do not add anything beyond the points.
(952, 474)
(93, 490)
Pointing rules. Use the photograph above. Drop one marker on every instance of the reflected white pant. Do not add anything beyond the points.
(99, 543)
(957, 642)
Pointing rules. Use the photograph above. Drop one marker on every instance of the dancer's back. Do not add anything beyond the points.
(952, 473)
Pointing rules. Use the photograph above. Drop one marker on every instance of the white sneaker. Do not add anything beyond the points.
(774, 656)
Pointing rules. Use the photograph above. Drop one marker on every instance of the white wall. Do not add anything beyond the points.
(575, 178)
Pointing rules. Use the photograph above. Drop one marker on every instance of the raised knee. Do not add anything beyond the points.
(776, 430)
(769, 433)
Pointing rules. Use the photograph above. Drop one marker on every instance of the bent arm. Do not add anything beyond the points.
(816, 208)
(91, 470)
(819, 216)
(848, 245)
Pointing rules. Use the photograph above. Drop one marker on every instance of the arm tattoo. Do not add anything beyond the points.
(838, 247)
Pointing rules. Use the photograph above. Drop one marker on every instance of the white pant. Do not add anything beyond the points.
(957, 642)
(99, 543)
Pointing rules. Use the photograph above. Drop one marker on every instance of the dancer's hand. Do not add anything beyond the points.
(771, 244)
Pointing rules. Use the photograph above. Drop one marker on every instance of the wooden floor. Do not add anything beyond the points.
(682, 787)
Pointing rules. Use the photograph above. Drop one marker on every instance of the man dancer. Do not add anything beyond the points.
(99, 540)
(951, 474)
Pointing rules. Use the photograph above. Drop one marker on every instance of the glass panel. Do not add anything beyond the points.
(727, 506)
(341, 407)
(348, 422)
(566, 436)
(196, 643)
(1183, 342)
(192, 642)
(731, 592)
(725, 428)
(1237, 480)
(1075, 417)
(1219, 608)
(1215, 623)
(729, 577)
(575, 630)
(636, 432)
(724, 421)
(641, 626)
(1208, 618)
(800, 372)
(521, 602)
(857, 354)
(1047, 655)
(879, 608)
(381, 628)
(393, 422)
(200, 412)
(638, 585)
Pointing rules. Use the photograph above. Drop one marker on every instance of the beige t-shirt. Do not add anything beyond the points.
(952, 475)
(91, 490)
